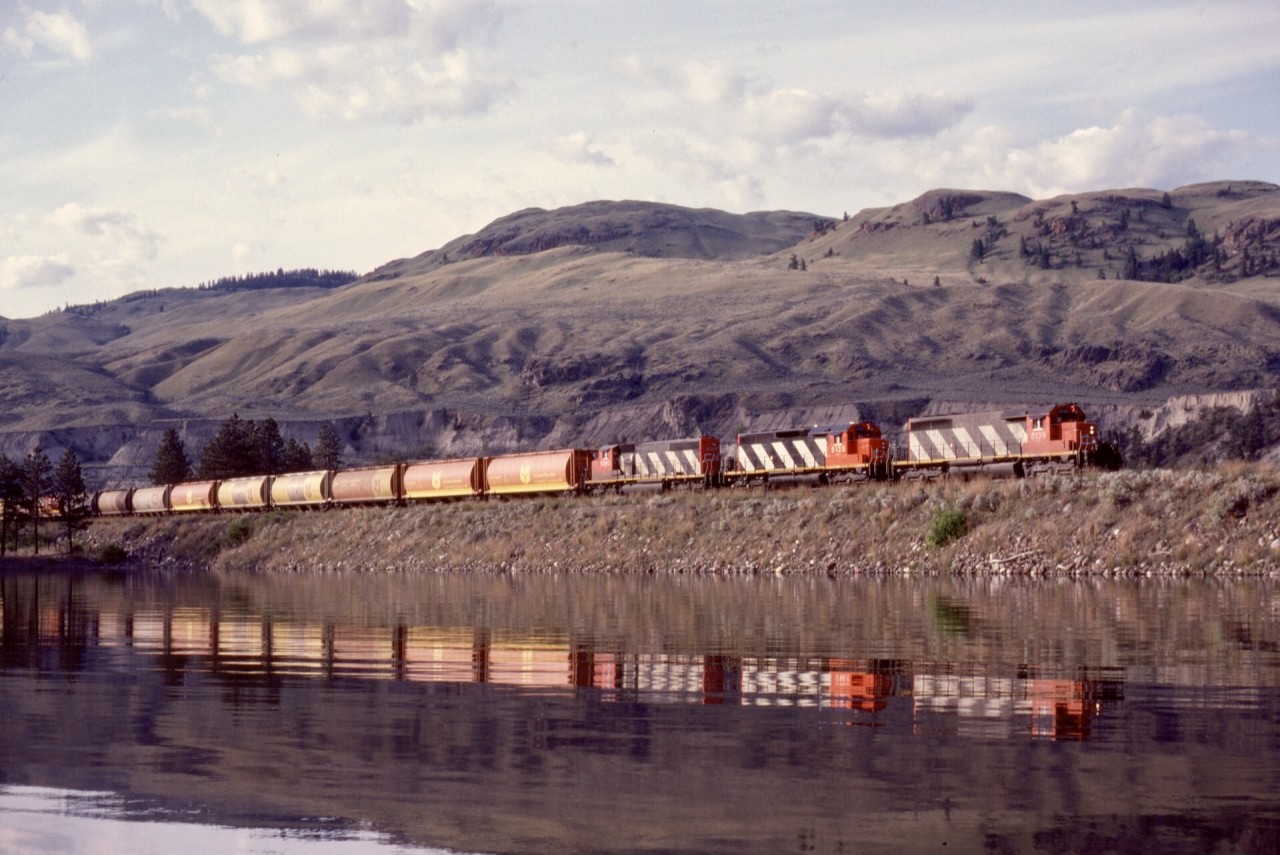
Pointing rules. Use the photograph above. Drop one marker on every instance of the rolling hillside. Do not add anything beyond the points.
(626, 320)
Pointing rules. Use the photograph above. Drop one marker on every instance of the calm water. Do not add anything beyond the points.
(408, 714)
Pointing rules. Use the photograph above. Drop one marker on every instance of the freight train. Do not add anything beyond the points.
(1020, 443)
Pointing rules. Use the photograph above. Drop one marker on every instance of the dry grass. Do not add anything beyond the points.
(549, 341)
(1224, 521)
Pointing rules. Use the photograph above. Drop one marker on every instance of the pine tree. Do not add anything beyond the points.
(11, 494)
(36, 472)
(297, 457)
(1131, 266)
(232, 452)
(68, 488)
(268, 448)
(171, 466)
(328, 453)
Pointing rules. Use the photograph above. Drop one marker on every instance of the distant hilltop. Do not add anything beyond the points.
(610, 321)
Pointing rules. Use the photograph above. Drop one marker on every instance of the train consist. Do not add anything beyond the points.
(1020, 443)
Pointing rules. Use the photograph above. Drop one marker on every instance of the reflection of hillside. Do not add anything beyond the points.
(534, 729)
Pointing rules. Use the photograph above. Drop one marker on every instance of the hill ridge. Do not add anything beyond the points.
(546, 325)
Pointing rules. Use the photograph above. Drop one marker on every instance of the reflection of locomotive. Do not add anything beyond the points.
(1016, 443)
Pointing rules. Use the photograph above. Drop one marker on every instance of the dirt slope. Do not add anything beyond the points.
(627, 320)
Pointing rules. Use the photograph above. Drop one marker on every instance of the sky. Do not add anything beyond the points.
(160, 143)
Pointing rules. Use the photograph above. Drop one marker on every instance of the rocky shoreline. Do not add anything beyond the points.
(1158, 523)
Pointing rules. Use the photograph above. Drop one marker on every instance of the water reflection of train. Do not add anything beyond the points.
(931, 696)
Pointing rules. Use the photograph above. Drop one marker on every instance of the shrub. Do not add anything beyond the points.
(240, 531)
(1234, 500)
(949, 524)
(113, 553)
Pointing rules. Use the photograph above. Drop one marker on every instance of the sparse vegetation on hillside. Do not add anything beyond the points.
(1247, 249)
(1218, 434)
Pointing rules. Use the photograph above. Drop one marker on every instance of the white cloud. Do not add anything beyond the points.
(578, 148)
(905, 114)
(200, 117)
(703, 81)
(128, 238)
(1138, 150)
(253, 21)
(242, 251)
(35, 271)
(58, 32)
(168, 7)
(357, 60)
(353, 84)
(793, 115)
(441, 25)
(1134, 150)
(721, 173)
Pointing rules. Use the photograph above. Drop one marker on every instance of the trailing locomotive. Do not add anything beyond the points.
(814, 456)
(1014, 442)
(659, 465)
(1017, 443)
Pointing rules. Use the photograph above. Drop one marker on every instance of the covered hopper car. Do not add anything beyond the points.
(112, 503)
(302, 489)
(434, 480)
(151, 500)
(379, 485)
(562, 471)
(245, 494)
(194, 496)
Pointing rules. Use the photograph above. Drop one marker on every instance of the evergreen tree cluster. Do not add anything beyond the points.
(35, 489)
(243, 447)
(1179, 263)
(1056, 243)
(307, 277)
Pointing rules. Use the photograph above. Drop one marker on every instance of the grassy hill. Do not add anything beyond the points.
(626, 320)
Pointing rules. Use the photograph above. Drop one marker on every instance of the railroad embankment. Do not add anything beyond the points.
(1221, 522)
